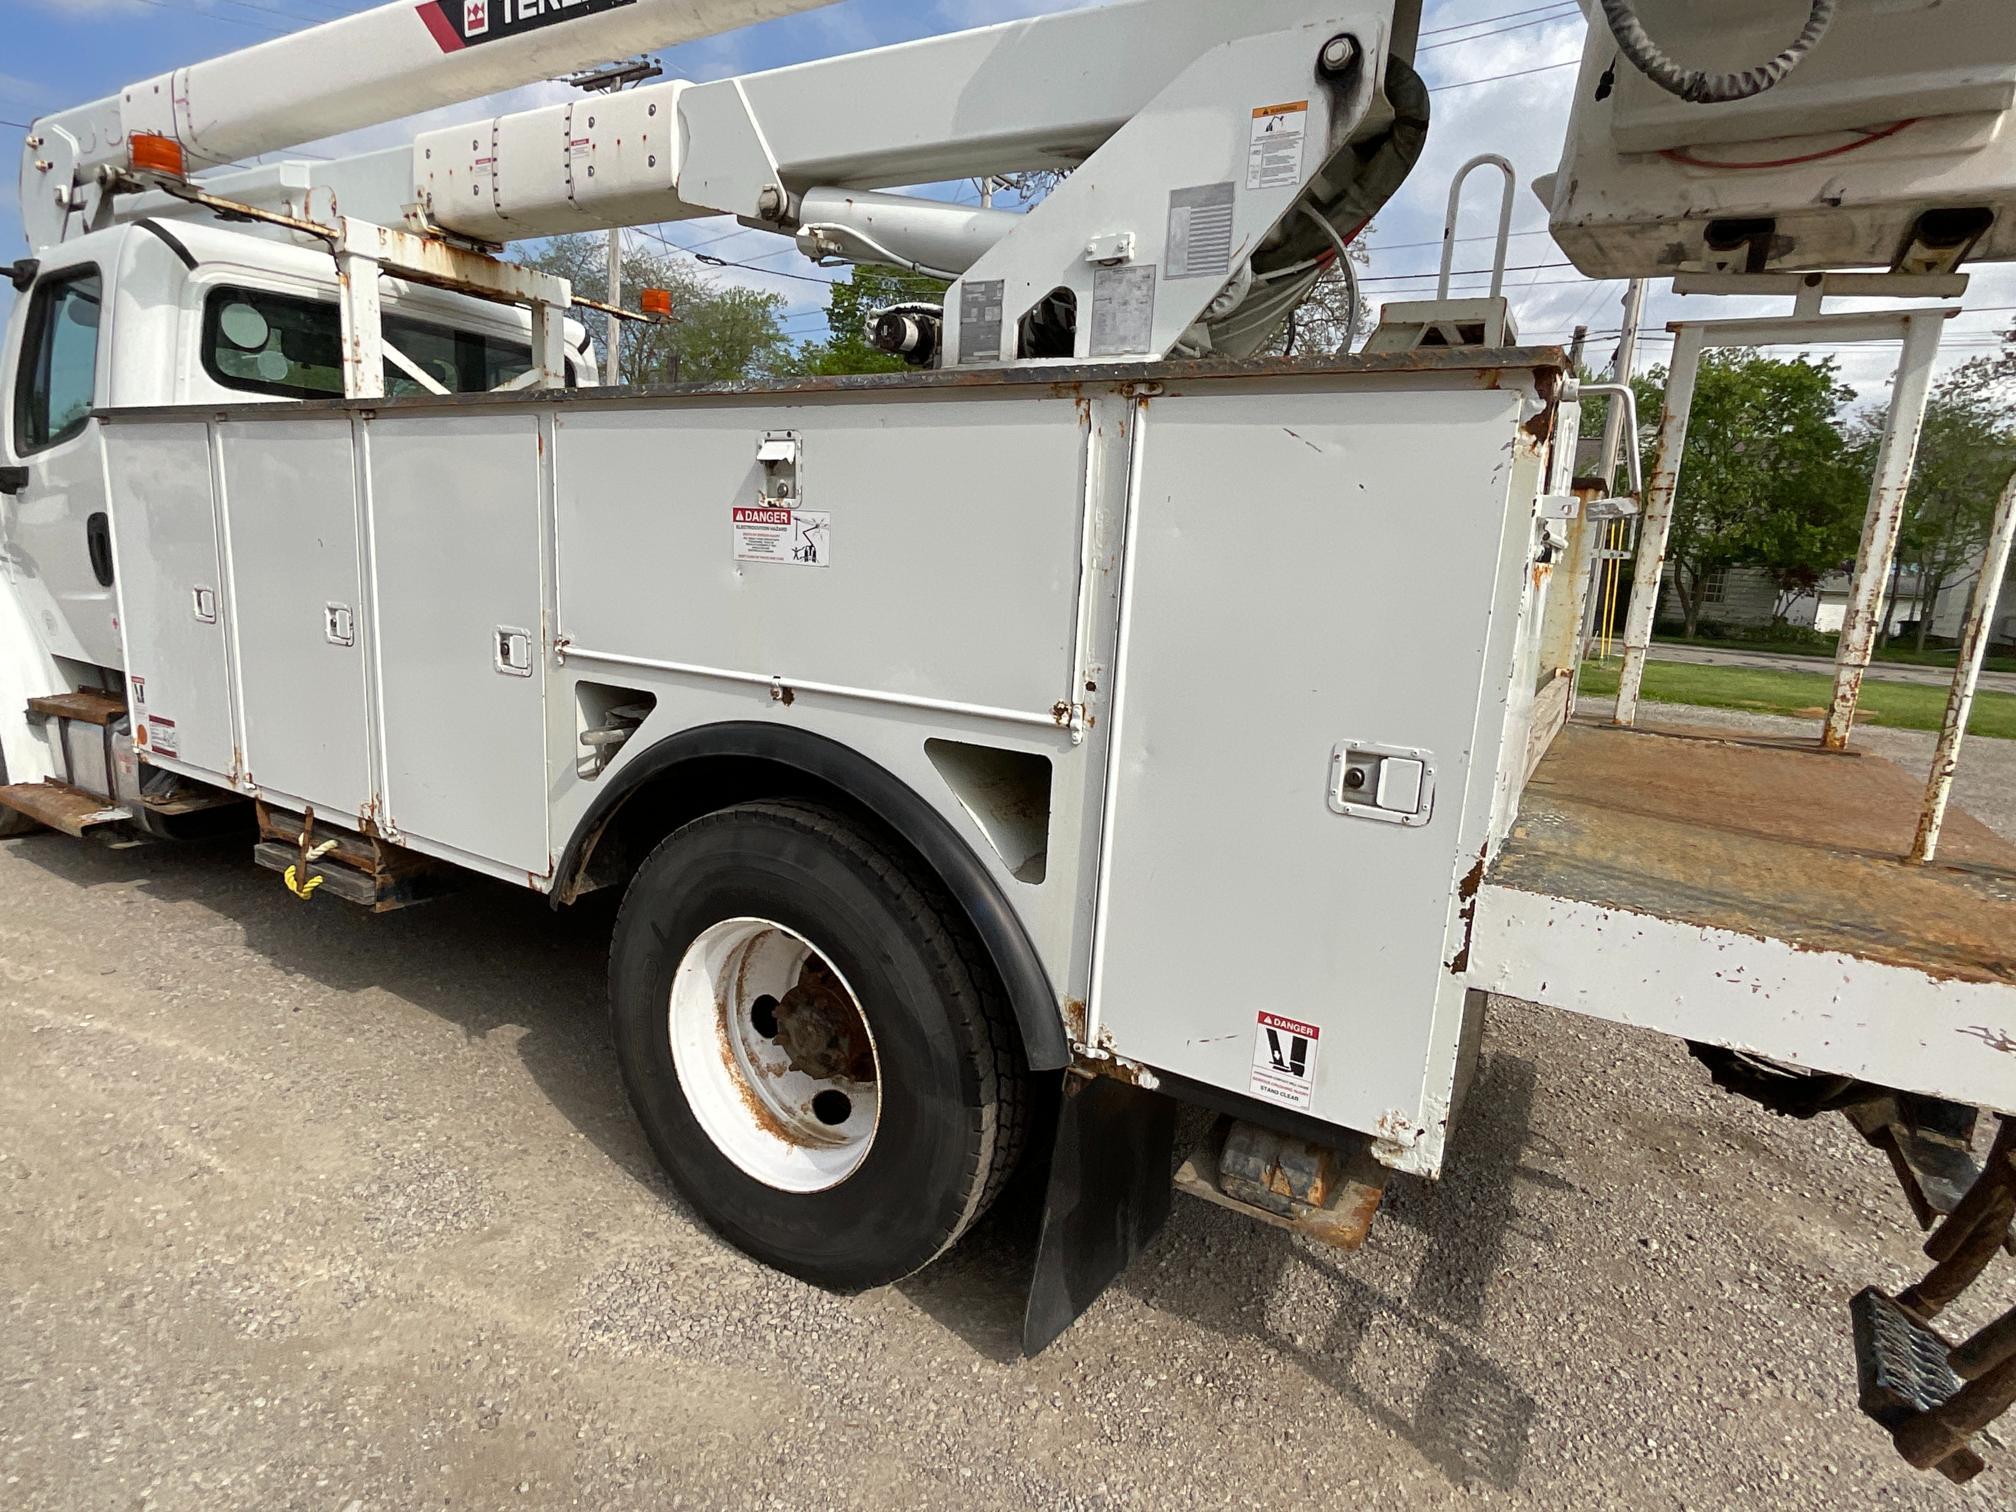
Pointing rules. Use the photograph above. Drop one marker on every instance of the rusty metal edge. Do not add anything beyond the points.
(1542, 364)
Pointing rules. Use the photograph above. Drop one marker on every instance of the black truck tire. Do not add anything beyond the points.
(754, 948)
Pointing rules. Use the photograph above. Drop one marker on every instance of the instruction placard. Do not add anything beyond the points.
(1280, 132)
(783, 535)
(1201, 223)
(1284, 1061)
(163, 738)
(1123, 310)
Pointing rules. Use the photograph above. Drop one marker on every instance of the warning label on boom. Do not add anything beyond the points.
(781, 534)
(1284, 1061)
(1274, 160)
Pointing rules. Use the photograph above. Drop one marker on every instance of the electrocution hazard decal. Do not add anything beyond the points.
(1274, 160)
(1284, 1061)
(779, 533)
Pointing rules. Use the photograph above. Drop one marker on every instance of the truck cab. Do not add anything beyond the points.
(178, 311)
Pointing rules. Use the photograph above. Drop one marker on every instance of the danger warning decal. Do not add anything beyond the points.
(1284, 1061)
(456, 24)
(779, 533)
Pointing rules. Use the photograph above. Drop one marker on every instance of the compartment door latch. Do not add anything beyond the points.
(514, 651)
(1388, 784)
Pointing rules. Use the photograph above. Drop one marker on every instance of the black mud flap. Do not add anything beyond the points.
(1109, 1195)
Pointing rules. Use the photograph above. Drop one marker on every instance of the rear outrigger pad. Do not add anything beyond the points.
(1108, 1197)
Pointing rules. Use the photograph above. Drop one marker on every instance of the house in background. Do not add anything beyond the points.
(1744, 598)
(1948, 611)
(1739, 597)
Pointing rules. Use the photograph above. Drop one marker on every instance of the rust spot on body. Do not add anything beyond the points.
(1467, 892)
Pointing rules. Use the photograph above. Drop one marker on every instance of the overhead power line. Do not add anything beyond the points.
(1567, 15)
(1521, 73)
(1437, 31)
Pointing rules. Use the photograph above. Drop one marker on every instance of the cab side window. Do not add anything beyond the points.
(271, 344)
(58, 381)
(266, 343)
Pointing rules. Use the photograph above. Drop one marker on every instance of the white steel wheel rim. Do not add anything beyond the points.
(775, 1056)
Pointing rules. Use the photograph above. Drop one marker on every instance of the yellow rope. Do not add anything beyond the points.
(306, 890)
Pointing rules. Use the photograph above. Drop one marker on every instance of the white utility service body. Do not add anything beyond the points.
(1056, 605)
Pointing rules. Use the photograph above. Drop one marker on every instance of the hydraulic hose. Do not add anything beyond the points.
(1705, 88)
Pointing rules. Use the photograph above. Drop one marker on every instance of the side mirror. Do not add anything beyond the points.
(22, 273)
(13, 479)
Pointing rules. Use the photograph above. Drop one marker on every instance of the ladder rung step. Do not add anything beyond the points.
(92, 707)
(1903, 1363)
(67, 809)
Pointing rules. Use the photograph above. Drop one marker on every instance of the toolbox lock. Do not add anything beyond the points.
(1389, 784)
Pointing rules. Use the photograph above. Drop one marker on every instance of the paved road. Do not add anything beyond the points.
(305, 1209)
(1715, 656)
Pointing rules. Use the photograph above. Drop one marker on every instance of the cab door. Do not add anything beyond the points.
(55, 532)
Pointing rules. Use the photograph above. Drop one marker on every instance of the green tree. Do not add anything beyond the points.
(716, 335)
(855, 299)
(1768, 481)
(1965, 457)
(1327, 321)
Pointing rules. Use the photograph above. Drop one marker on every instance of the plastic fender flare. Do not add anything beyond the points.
(879, 791)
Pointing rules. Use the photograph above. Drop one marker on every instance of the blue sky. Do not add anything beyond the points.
(1492, 62)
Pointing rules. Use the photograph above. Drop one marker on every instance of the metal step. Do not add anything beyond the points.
(1328, 1193)
(1905, 1373)
(93, 706)
(69, 810)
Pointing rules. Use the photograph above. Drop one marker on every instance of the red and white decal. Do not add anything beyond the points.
(1284, 1061)
(456, 24)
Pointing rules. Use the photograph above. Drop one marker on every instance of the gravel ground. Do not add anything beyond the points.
(306, 1209)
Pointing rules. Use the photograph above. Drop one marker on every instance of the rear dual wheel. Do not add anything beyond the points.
(814, 1043)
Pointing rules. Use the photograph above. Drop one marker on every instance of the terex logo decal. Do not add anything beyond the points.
(456, 24)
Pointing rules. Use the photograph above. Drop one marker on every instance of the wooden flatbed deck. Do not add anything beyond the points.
(1753, 894)
(1781, 841)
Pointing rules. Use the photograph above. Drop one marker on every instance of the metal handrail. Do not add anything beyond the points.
(1627, 396)
(1485, 160)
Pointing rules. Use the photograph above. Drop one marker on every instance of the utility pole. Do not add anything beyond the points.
(609, 79)
(612, 344)
(1627, 361)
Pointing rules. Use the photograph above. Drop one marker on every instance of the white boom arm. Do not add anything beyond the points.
(1200, 136)
(378, 65)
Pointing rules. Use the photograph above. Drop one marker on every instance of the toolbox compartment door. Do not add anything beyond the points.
(1311, 569)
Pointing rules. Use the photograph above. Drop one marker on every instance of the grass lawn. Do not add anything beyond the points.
(1902, 655)
(1904, 706)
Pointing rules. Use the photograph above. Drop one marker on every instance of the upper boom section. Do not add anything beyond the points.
(379, 65)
